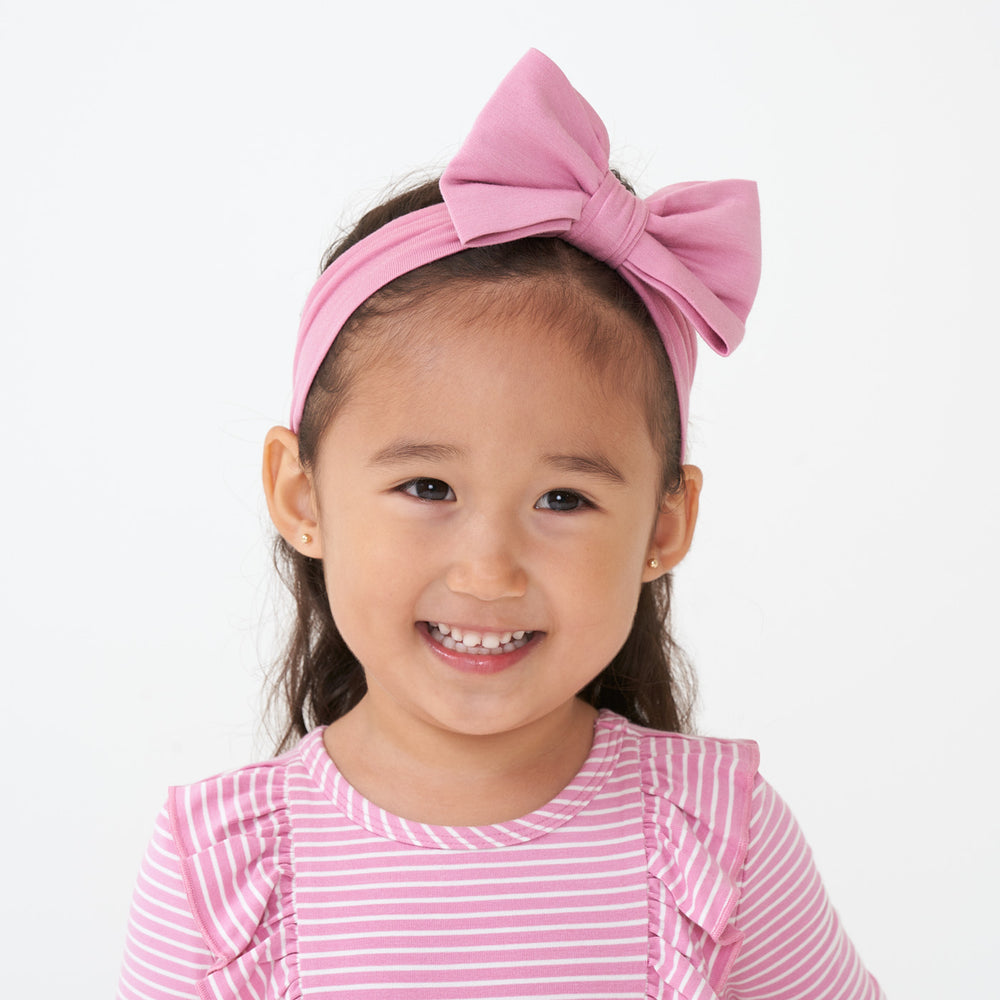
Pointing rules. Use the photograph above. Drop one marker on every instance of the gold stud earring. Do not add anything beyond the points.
(653, 563)
(306, 539)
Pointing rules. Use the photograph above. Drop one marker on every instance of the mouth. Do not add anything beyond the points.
(477, 642)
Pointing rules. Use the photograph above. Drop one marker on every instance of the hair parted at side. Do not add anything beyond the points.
(318, 678)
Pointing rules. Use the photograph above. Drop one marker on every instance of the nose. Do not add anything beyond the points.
(485, 563)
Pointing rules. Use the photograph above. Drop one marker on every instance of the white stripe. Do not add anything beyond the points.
(160, 989)
(612, 893)
(437, 880)
(142, 947)
(330, 836)
(539, 975)
(567, 852)
(483, 949)
(426, 917)
(436, 932)
(157, 904)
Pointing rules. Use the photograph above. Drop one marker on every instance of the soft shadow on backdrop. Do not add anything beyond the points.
(173, 173)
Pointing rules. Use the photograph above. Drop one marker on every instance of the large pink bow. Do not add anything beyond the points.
(536, 163)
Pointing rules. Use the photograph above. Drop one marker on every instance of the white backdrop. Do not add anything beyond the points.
(171, 173)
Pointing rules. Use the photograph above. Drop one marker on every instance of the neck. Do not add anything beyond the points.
(432, 775)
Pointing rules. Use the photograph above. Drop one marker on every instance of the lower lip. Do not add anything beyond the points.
(470, 663)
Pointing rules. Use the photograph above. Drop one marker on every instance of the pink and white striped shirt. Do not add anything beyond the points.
(666, 868)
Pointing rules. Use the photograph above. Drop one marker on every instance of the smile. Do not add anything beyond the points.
(478, 643)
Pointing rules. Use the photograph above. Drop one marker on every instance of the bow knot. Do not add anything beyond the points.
(611, 223)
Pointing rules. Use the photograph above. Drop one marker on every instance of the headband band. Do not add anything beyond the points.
(536, 164)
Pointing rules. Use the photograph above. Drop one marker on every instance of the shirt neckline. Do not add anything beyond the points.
(608, 734)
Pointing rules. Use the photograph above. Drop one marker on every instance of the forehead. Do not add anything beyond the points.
(541, 322)
(503, 353)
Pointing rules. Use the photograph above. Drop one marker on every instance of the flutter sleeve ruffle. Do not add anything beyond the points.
(697, 806)
(233, 836)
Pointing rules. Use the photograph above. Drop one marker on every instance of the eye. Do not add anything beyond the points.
(562, 500)
(427, 489)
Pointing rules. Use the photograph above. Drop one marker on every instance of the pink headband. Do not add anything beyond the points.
(536, 164)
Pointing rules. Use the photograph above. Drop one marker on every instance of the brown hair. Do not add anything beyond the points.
(648, 681)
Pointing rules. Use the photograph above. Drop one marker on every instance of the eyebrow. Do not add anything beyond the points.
(596, 465)
(402, 451)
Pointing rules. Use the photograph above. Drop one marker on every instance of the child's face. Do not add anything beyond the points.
(485, 479)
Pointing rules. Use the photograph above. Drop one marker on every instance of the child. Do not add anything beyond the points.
(480, 500)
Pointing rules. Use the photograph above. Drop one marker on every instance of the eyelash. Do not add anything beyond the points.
(571, 496)
(414, 488)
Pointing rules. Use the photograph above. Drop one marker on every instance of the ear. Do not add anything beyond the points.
(290, 499)
(674, 527)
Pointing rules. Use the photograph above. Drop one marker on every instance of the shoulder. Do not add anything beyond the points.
(675, 749)
(731, 876)
(710, 779)
(698, 796)
(233, 836)
(243, 800)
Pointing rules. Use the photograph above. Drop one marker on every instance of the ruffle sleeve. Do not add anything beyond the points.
(234, 840)
(697, 807)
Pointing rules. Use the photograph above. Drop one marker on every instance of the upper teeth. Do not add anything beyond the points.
(471, 638)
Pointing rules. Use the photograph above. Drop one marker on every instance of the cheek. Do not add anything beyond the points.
(373, 567)
(616, 554)
(603, 584)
